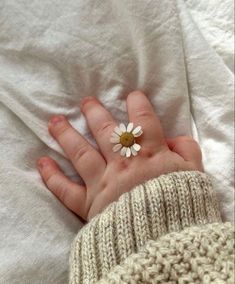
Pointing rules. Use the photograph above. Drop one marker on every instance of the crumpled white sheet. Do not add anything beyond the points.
(53, 53)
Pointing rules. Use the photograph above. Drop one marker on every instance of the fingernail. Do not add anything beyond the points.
(41, 163)
(86, 100)
(56, 119)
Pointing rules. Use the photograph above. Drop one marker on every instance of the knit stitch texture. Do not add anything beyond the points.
(196, 255)
(166, 204)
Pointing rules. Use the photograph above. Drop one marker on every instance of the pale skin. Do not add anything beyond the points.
(106, 174)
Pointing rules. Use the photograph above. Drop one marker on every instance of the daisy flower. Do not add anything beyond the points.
(124, 138)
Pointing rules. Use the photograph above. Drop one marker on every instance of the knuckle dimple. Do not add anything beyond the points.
(122, 164)
(146, 153)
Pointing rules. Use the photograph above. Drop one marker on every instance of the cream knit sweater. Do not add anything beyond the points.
(167, 230)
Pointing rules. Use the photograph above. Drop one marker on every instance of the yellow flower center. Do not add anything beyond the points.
(127, 139)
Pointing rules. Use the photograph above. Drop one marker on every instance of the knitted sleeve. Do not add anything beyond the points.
(166, 204)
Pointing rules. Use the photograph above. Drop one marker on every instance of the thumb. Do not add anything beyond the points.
(187, 148)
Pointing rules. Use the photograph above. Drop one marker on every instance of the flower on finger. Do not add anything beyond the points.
(124, 139)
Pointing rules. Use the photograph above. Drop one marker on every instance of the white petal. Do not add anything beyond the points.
(117, 130)
(137, 147)
(122, 127)
(138, 133)
(136, 130)
(128, 152)
(133, 151)
(130, 127)
(115, 135)
(123, 151)
(117, 147)
(114, 139)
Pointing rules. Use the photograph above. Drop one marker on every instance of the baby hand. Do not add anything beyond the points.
(106, 174)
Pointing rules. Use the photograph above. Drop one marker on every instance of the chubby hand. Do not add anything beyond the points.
(107, 174)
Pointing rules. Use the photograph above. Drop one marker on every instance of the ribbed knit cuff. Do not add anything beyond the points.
(165, 204)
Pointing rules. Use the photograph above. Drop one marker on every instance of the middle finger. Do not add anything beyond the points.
(101, 124)
(141, 112)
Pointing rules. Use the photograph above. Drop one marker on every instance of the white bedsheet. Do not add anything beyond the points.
(53, 53)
